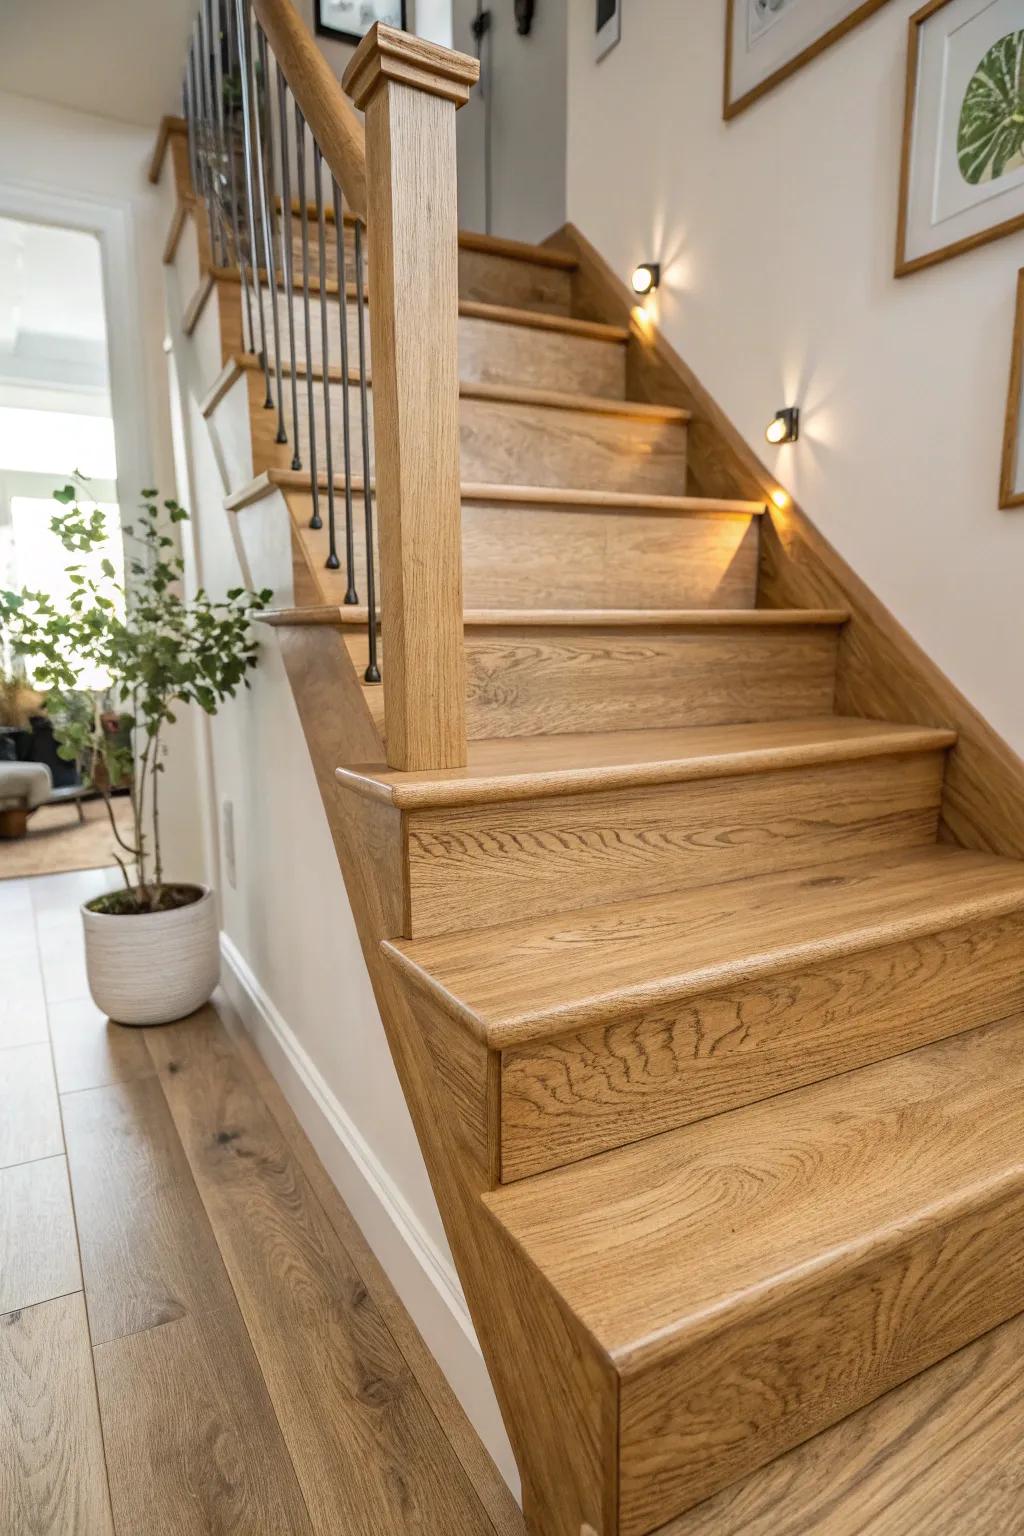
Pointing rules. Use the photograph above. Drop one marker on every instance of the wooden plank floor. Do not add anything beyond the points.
(194, 1336)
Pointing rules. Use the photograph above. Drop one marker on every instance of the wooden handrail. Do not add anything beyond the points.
(334, 124)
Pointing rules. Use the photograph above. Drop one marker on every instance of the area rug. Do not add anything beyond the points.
(57, 842)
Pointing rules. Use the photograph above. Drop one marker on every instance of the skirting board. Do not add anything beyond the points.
(423, 1276)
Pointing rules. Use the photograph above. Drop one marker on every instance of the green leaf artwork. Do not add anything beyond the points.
(990, 137)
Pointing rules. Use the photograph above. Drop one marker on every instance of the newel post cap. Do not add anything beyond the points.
(386, 53)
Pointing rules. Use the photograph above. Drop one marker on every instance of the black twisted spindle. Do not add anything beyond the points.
(351, 595)
(316, 521)
(372, 673)
(287, 257)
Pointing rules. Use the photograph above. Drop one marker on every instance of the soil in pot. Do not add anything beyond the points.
(132, 903)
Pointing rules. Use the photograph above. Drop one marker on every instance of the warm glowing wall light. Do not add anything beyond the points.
(784, 426)
(780, 499)
(646, 277)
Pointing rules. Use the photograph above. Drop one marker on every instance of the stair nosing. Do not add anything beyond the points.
(604, 1007)
(489, 788)
(552, 497)
(587, 618)
(469, 389)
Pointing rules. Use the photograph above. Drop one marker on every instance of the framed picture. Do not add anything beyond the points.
(348, 21)
(962, 178)
(1011, 477)
(607, 26)
(766, 41)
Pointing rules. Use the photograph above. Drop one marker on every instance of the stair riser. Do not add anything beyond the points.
(591, 559)
(751, 1391)
(469, 866)
(536, 681)
(588, 1091)
(490, 351)
(502, 442)
(482, 275)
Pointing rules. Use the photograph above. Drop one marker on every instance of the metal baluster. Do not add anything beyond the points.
(243, 266)
(332, 544)
(206, 96)
(372, 673)
(242, 24)
(287, 257)
(190, 112)
(300, 174)
(199, 184)
(265, 161)
(218, 118)
(351, 595)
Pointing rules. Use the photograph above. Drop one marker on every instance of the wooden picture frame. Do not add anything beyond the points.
(906, 262)
(340, 34)
(732, 108)
(1011, 481)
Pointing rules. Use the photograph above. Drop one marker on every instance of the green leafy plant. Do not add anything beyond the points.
(990, 134)
(159, 649)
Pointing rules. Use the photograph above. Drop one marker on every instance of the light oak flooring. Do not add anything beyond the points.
(194, 1335)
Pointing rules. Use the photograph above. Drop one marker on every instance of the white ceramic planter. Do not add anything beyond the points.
(154, 967)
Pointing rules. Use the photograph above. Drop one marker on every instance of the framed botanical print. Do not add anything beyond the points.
(348, 21)
(766, 41)
(1011, 477)
(962, 177)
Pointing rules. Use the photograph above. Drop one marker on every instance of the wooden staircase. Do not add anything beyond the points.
(703, 975)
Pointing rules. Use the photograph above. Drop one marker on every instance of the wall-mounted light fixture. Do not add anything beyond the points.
(646, 277)
(784, 426)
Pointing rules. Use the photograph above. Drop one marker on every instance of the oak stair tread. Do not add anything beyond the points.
(469, 239)
(474, 389)
(941, 1453)
(514, 768)
(515, 495)
(570, 618)
(521, 982)
(671, 1241)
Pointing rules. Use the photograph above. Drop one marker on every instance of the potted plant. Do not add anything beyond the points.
(151, 946)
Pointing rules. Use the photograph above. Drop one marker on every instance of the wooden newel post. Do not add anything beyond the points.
(409, 91)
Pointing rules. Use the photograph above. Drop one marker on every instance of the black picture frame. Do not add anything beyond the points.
(324, 29)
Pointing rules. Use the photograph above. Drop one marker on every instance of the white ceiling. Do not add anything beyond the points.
(52, 323)
(116, 58)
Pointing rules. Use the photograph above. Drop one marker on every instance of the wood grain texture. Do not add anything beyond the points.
(590, 1090)
(882, 672)
(469, 866)
(148, 1254)
(527, 767)
(539, 681)
(413, 319)
(877, 1235)
(38, 1250)
(525, 981)
(52, 1474)
(29, 1116)
(941, 1454)
(191, 1439)
(367, 1451)
(90, 1051)
(492, 277)
(334, 124)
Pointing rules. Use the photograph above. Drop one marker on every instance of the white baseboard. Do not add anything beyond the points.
(422, 1274)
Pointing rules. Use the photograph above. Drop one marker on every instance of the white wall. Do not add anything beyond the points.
(527, 81)
(777, 234)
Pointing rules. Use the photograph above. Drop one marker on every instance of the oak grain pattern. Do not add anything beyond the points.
(38, 1251)
(940, 1453)
(52, 1473)
(90, 1050)
(529, 980)
(587, 1091)
(468, 865)
(368, 1453)
(148, 1254)
(29, 1115)
(191, 1440)
(538, 682)
(839, 1239)
(494, 278)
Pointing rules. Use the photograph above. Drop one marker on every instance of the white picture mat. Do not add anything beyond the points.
(943, 209)
(358, 16)
(761, 47)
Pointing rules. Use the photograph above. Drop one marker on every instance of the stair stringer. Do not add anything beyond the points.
(558, 1396)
